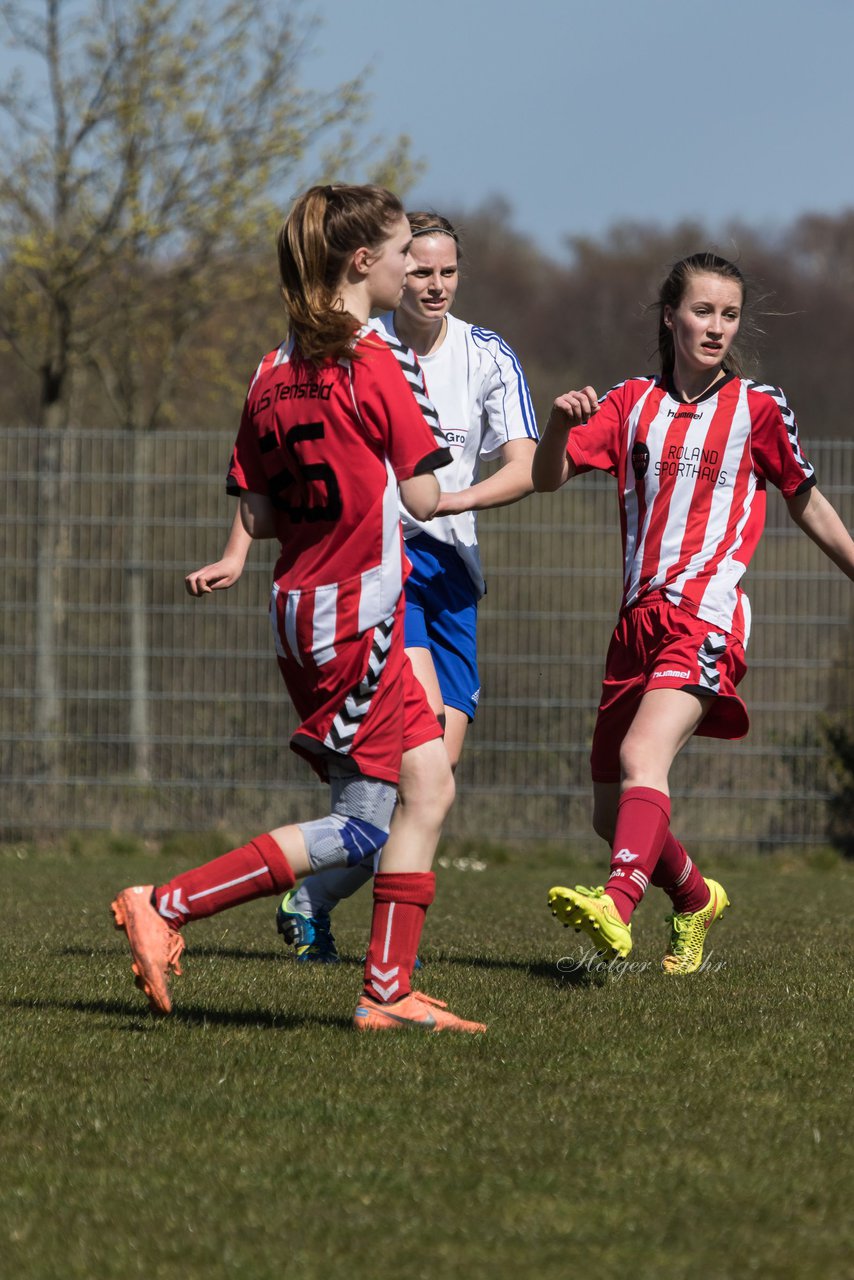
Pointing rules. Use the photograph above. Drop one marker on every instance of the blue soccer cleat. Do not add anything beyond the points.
(311, 936)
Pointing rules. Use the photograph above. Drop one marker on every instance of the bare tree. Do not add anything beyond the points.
(160, 138)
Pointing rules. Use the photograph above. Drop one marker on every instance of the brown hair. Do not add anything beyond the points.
(325, 226)
(425, 224)
(672, 292)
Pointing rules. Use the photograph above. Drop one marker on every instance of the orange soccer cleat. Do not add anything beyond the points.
(154, 946)
(415, 1010)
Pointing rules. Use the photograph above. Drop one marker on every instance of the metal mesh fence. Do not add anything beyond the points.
(126, 705)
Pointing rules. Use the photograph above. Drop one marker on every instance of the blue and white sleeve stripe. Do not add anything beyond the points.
(517, 398)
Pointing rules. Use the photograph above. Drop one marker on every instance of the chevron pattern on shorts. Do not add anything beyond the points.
(357, 703)
(712, 649)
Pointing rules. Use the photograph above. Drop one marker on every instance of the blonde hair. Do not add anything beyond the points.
(324, 227)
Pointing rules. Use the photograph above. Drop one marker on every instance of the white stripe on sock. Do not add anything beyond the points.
(685, 873)
(388, 932)
(229, 884)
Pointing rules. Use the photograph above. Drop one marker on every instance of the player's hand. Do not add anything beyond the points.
(574, 408)
(213, 577)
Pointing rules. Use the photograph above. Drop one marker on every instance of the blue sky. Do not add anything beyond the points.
(582, 113)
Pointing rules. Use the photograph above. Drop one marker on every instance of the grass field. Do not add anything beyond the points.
(645, 1127)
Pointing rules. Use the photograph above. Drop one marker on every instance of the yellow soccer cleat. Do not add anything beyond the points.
(592, 911)
(688, 932)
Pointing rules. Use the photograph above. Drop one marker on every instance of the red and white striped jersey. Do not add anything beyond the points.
(692, 480)
(328, 445)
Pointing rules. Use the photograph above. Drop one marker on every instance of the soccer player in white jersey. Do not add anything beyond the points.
(476, 382)
(692, 450)
(336, 423)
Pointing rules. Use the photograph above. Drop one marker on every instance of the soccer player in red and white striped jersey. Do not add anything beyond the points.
(692, 450)
(336, 421)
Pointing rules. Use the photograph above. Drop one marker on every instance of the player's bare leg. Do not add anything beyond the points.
(425, 795)
(456, 726)
(454, 721)
(665, 720)
(425, 673)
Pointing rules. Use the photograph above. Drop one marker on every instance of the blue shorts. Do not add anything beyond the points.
(441, 616)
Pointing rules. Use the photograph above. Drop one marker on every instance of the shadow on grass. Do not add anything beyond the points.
(539, 969)
(205, 950)
(187, 1015)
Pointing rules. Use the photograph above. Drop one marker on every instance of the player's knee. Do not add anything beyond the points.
(341, 841)
(433, 797)
(447, 792)
(633, 760)
(358, 826)
(361, 840)
(426, 783)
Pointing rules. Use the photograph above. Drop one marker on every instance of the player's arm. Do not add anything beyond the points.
(420, 495)
(508, 484)
(552, 466)
(820, 521)
(223, 573)
(257, 515)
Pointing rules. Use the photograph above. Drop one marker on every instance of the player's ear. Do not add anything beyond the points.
(667, 316)
(362, 260)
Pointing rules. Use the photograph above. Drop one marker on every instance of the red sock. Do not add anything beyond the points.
(253, 871)
(643, 816)
(679, 878)
(401, 900)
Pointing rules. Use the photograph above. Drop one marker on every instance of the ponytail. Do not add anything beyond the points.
(324, 227)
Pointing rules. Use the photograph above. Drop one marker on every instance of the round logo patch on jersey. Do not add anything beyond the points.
(640, 460)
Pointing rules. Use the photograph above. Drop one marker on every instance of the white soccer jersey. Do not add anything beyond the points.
(476, 382)
(691, 480)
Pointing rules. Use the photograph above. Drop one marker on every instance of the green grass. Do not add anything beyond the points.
(647, 1127)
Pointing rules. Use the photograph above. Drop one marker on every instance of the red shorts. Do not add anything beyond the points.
(363, 704)
(658, 645)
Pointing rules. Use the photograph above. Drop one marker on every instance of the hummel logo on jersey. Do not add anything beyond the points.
(625, 856)
(684, 413)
